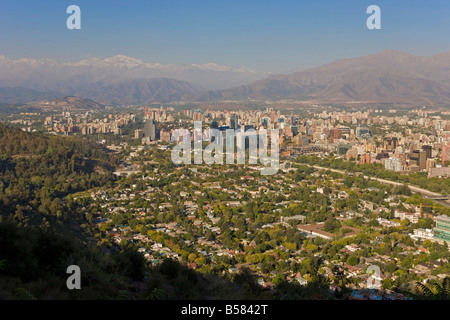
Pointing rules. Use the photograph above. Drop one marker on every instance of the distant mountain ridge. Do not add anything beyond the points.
(47, 74)
(386, 77)
(389, 76)
(112, 92)
(24, 95)
(138, 91)
(116, 80)
(67, 104)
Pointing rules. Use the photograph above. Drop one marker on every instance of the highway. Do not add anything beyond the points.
(414, 189)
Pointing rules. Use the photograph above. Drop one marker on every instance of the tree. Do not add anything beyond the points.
(192, 257)
(246, 279)
(278, 279)
(348, 182)
(339, 275)
(132, 262)
(391, 267)
(388, 283)
(435, 291)
(427, 243)
(331, 224)
(352, 260)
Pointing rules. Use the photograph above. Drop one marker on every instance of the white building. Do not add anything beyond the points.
(388, 223)
(422, 234)
(411, 216)
(393, 164)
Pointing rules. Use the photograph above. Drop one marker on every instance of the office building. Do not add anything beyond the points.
(150, 129)
(420, 158)
(442, 229)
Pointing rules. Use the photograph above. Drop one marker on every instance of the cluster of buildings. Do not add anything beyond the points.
(347, 134)
(85, 124)
(151, 131)
(417, 141)
(159, 238)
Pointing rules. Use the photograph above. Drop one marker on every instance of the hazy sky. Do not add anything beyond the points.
(264, 35)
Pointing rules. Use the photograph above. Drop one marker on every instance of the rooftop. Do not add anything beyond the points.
(443, 218)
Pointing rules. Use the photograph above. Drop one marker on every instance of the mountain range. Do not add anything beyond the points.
(85, 77)
(386, 77)
(67, 104)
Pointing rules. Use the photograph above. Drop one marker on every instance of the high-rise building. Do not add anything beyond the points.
(431, 163)
(149, 114)
(446, 153)
(428, 150)
(344, 130)
(390, 143)
(335, 134)
(165, 136)
(420, 158)
(234, 122)
(288, 132)
(365, 158)
(265, 121)
(363, 132)
(442, 229)
(138, 134)
(150, 129)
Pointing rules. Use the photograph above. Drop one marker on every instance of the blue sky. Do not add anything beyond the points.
(280, 36)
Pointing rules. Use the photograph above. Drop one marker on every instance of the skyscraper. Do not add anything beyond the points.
(150, 129)
(428, 150)
(234, 122)
(390, 143)
(420, 157)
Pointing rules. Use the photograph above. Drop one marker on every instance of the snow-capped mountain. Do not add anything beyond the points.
(44, 74)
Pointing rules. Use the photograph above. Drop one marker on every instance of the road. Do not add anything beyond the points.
(414, 189)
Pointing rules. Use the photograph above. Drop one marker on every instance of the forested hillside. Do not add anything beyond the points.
(38, 171)
(41, 234)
